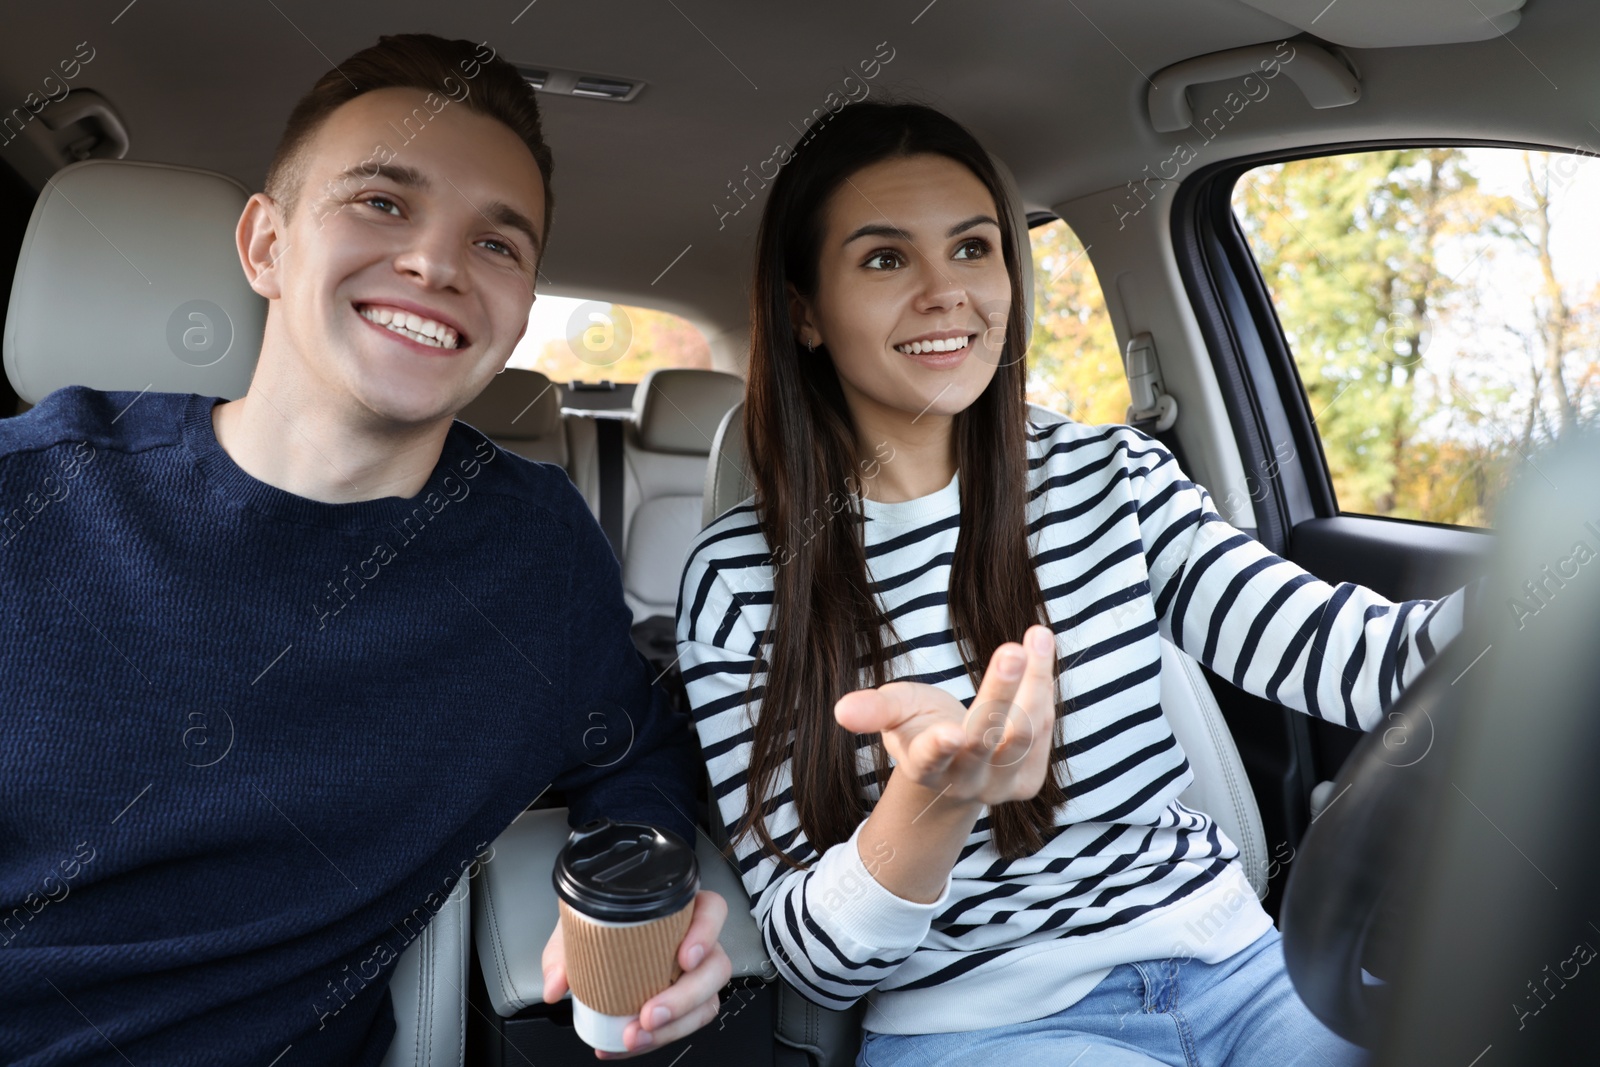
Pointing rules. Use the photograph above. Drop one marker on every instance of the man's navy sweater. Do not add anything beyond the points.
(253, 740)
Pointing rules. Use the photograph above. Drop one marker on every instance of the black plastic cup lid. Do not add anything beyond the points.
(626, 872)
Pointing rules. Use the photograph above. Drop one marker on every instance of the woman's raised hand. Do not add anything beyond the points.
(998, 750)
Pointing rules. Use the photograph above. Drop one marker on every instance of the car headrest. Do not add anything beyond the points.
(727, 482)
(678, 410)
(521, 410)
(129, 278)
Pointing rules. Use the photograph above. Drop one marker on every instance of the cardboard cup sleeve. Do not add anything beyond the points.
(615, 969)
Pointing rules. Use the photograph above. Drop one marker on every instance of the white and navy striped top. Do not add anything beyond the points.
(1128, 551)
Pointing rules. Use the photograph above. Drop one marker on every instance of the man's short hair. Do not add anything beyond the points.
(457, 71)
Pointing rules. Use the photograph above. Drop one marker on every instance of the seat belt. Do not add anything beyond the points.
(656, 636)
(608, 453)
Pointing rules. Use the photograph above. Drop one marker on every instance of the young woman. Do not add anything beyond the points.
(1016, 878)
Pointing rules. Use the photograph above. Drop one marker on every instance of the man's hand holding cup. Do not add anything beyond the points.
(637, 939)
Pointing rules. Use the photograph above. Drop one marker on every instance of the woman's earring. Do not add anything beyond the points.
(811, 345)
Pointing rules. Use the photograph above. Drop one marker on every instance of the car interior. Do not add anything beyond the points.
(117, 250)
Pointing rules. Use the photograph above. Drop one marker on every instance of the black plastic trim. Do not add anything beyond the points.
(1203, 265)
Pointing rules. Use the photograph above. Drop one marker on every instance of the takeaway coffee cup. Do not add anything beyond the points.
(626, 893)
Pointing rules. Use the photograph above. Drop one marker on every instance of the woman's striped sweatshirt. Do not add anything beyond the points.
(1128, 552)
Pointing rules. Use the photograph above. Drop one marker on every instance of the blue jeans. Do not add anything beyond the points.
(1242, 1012)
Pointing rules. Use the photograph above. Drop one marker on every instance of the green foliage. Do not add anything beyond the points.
(1350, 248)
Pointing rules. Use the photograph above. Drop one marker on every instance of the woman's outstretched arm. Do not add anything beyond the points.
(1337, 651)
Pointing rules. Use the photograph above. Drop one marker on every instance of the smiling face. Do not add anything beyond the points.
(912, 291)
(403, 277)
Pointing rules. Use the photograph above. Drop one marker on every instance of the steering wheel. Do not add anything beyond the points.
(1398, 877)
(1342, 906)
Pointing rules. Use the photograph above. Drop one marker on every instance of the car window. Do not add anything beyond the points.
(1441, 305)
(1074, 365)
(575, 340)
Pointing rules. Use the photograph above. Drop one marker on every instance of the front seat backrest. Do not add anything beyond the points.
(429, 988)
(129, 279)
(676, 413)
(520, 410)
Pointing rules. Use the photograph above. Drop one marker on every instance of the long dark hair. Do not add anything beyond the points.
(827, 628)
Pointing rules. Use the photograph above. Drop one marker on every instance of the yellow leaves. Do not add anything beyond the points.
(626, 343)
(1074, 365)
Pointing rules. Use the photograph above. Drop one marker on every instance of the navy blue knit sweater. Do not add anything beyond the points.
(251, 740)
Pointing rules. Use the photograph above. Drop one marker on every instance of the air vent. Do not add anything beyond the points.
(603, 88)
(576, 83)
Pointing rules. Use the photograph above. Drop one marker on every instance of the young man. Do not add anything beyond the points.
(277, 671)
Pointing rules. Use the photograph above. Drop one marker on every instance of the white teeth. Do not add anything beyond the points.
(950, 344)
(419, 329)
